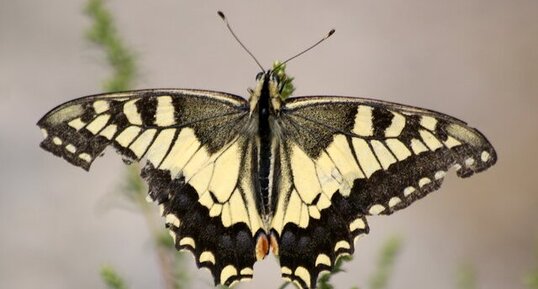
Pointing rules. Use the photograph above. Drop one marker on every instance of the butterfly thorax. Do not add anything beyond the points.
(265, 104)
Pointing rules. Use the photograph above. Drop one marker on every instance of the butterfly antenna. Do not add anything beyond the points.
(239, 41)
(308, 49)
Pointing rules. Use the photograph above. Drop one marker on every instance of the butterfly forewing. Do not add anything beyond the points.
(346, 158)
(199, 166)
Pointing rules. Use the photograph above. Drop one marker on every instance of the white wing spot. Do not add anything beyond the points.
(164, 115)
(363, 121)
(451, 142)
(100, 106)
(246, 271)
(207, 256)
(227, 272)
(424, 181)
(408, 191)
(85, 157)
(428, 122)
(341, 245)
(469, 161)
(285, 270)
(394, 201)
(56, 140)
(187, 241)
(131, 112)
(71, 148)
(109, 131)
(302, 273)
(485, 156)
(440, 174)
(357, 224)
(173, 219)
(376, 209)
(98, 123)
(323, 259)
(396, 126)
(77, 123)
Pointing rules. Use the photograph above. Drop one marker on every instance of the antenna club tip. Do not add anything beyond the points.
(331, 32)
(221, 15)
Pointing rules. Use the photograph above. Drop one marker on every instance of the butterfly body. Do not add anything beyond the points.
(298, 176)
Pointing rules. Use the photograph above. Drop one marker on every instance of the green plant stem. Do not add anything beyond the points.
(380, 278)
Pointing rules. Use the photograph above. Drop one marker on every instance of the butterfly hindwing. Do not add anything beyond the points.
(346, 158)
(198, 165)
(220, 230)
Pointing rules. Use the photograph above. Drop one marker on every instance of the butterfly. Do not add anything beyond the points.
(237, 179)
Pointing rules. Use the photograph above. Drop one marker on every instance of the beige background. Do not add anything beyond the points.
(476, 60)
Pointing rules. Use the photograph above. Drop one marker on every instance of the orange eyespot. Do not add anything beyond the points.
(262, 247)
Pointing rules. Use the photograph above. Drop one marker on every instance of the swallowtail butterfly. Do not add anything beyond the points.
(236, 179)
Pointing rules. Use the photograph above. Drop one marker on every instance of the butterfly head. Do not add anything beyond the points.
(267, 93)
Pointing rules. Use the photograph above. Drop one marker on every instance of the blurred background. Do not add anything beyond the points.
(476, 60)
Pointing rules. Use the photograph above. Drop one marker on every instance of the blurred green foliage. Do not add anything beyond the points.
(104, 33)
(385, 264)
(111, 278)
(531, 280)
(466, 277)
